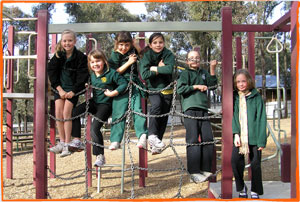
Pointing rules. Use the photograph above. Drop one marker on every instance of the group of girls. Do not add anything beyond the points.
(68, 74)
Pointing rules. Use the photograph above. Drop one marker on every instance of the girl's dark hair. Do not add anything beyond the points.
(250, 82)
(123, 37)
(151, 38)
(98, 54)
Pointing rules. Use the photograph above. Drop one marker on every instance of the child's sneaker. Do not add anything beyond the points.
(206, 174)
(243, 193)
(65, 151)
(100, 160)
(155, 150)
(114, 146)
(57, 148)
(142, 143)
(197, 178)
(254, 195)
(76, 146)
(154, 141)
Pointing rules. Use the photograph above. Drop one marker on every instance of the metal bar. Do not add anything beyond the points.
(257, 28)
(52, 121)
(26, 32)
(12, 57)
(227, 91)
(89, 120)
(294, 99)
(238, 49)
(251, 54)
(9, 107)
(282, 21)
(40, 106)
(19, 19)
(143, 154)
(137, 26)
(18, 95)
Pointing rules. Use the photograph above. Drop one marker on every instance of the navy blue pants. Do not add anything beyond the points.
(199, 158)
(238, 166)
(160, 104)
(102, 112)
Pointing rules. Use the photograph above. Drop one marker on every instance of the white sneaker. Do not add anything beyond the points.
(76, 146)
(154, 141)
(100, 160)
(142, 143)
(206, 174)
(57, 148)
(114, 146)
(65, 151)
(198, 178)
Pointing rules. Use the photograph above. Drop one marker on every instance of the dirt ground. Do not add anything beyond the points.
(163, 183)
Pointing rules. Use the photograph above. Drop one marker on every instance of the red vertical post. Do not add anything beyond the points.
(40, 106)
(143, 158)
(52, 121)
(9, 106)
(294, 99)
(88, 126)
(251, 54)
(227, 104)
(238, 48)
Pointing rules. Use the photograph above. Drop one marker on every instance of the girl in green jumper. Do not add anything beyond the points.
(192, 86)
(123, 58)
(156, 68)
(68, 73)
(249, 129)
(100, 105)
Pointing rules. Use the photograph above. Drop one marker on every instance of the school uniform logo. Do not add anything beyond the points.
(103, 79)
(203, 77)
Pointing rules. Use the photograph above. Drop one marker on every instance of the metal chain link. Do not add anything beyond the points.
(128, 117)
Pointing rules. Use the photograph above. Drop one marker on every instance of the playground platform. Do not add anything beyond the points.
(272, 190)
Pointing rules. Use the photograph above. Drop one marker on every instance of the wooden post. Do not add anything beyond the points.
(40, 106)
(227, 104)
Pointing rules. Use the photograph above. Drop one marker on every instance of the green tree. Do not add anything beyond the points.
(100, 12)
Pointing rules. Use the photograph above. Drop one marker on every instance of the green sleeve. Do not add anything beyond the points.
(235, 119)
(120, 81)
(169, 61)
(183, 86)
(145, 67)
(113, 61)
(261, 123)
(212, 81)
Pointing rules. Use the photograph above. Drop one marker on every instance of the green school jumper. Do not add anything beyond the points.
(164, 77)
(120, 103)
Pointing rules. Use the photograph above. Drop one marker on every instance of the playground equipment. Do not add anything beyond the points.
(227, 28)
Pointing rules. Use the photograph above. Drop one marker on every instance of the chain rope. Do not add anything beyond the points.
(128, 116)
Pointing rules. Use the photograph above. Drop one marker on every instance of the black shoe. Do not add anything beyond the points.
(243, 193)
(254, 195)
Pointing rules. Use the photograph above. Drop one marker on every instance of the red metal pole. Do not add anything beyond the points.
(227, 104)
(251, 54)
(40, 106)
(238, 49)
(294, 99)
(52, 121)
(9, 106)
(88, 127)
(143, 155)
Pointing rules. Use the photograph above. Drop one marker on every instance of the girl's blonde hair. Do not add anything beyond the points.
(58, 47)
(123, 37)
(97, 54)
(250, 82)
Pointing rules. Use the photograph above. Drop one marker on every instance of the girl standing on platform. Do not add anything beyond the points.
(103, 77)
(123, 58)
(192, 86)
(249, 130)
(156, 67)
(68, 73)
